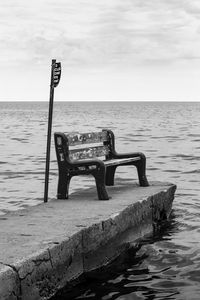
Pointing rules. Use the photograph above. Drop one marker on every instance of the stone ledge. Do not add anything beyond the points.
(66, 238)
(9, 283)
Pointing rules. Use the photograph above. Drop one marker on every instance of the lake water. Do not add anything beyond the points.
(165, 267)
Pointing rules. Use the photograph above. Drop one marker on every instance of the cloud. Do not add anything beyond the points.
(99, 32)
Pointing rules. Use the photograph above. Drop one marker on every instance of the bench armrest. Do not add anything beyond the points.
(114, 154)
(128, 155)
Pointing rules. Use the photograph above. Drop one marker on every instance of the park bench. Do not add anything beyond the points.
(93, 153)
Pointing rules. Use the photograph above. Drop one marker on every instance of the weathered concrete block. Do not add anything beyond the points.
(60, 251)
(35, 275)
(9, 283)
(101, 233)
(67, 261)
(103, 241)
(162, 203)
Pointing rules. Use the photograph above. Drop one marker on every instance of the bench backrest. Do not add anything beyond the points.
(77, 146)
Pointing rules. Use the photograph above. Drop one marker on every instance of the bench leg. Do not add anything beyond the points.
(110, 174)
(63, 186)
(100, 184)
(141, 169)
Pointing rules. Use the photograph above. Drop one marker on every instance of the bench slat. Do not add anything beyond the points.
(86, 138)
(84, 146)
(85, 153)
(113, 162)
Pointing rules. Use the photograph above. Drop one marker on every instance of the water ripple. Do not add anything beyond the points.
(167, 264)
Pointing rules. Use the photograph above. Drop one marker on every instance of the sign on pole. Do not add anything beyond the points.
(55, 79)
(56, 73)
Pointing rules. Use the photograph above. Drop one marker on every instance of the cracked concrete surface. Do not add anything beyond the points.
(45, 247)
(9, 283)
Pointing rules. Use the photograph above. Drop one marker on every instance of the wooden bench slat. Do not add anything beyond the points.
(113, 162)
(84, 146)
(85, 153)
(86, 138)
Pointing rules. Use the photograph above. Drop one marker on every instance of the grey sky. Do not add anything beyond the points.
(109, 40)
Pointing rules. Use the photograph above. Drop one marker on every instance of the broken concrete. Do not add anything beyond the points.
(45, 247)
(9, 283)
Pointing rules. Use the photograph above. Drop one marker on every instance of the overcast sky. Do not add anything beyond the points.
(109, 49)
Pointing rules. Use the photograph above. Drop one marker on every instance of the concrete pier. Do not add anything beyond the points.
(43, 248)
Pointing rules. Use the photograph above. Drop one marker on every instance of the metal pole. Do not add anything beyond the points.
(48, 149)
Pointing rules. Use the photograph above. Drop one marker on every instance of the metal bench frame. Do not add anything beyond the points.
(102, 170)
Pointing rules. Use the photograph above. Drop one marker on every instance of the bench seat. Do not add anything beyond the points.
(93, 153)
(120, 161)
(113, 162)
